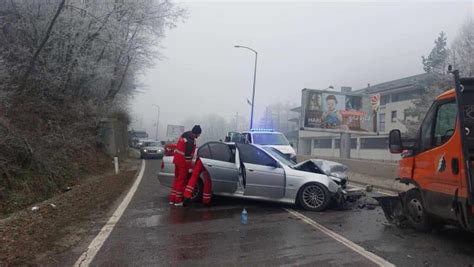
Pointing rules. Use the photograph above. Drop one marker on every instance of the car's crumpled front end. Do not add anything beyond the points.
(337, 172)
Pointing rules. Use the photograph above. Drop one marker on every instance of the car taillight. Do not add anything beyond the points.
(162, 165)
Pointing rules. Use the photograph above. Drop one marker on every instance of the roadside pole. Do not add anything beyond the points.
(116, 164)
(345, 146)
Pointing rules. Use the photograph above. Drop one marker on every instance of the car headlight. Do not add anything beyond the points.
(341, 181)
(339, 175)
(144, 150)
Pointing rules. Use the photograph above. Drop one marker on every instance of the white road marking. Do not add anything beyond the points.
(346, 242)
(86, 258)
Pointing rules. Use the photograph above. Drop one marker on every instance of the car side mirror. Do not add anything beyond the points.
(395, 142)
(292, 145)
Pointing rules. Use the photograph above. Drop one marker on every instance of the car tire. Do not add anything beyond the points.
(197, 193)
(314, 197)
(416, 213)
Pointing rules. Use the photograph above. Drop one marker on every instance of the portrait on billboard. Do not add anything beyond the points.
(314, 101)
(332, 106)
(313, 110)
(336, 111)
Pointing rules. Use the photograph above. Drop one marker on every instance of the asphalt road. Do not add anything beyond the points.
(150, 232)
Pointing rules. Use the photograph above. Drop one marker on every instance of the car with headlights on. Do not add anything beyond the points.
(151, 149)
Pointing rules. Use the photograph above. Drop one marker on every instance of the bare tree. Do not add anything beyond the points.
(277, 116)
(64, 65)
(462, 49)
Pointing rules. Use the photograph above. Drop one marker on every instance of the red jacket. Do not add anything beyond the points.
(184, 148)
(169, 149)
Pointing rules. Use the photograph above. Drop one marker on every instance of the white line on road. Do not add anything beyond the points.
(86, 258)
(346, 242)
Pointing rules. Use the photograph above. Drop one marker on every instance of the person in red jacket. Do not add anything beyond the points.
(183, 155)
(207, 187)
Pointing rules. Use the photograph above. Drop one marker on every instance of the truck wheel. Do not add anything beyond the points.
(415, 211)
(314, 197)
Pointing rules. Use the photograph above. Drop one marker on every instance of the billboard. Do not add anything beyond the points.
(336, 111)
(174, 131)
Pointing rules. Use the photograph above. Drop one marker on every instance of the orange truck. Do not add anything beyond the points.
(438, 164)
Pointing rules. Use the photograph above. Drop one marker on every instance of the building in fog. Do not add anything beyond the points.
(395, 97)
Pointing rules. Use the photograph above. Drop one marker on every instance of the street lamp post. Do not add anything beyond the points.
(254, 79)
(157, 121)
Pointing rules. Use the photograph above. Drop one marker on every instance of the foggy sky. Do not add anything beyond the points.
(300, 45)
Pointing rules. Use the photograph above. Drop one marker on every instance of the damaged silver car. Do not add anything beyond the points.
(264, 173)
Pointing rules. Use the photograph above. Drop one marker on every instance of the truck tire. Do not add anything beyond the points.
(314, 197)
(415, 211)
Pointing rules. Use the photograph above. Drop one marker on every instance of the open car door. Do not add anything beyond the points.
(219, 161)
(263, 175)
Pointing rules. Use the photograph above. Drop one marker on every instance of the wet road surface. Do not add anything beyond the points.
(150, 232)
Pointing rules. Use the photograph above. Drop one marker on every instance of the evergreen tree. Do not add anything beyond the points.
(436, 60)
(432, 85)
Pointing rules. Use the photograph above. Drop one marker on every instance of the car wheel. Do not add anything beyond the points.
(415, 211)
(197, 193)
(314, 197)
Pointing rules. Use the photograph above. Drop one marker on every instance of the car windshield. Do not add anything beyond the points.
(151, 144)
(279, 156)
(140, 135)
(276, 139)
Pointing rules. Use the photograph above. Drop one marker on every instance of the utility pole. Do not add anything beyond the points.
(236, 121)
(157, 120)
(254, 79)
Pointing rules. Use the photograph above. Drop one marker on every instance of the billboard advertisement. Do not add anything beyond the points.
(336, 111)
(174, 131)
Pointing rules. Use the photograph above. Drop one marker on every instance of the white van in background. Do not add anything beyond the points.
(266, 137)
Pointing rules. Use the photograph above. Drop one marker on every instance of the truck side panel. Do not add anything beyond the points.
(438, 164)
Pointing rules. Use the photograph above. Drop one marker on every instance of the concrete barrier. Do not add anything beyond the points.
(380, 174)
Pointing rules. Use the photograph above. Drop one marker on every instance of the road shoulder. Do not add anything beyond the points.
(64, 221)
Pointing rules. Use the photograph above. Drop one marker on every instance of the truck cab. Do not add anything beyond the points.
(438, 162)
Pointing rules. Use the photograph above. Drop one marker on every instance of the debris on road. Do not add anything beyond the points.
(35, 208)
(369, 188)
(367, 202)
